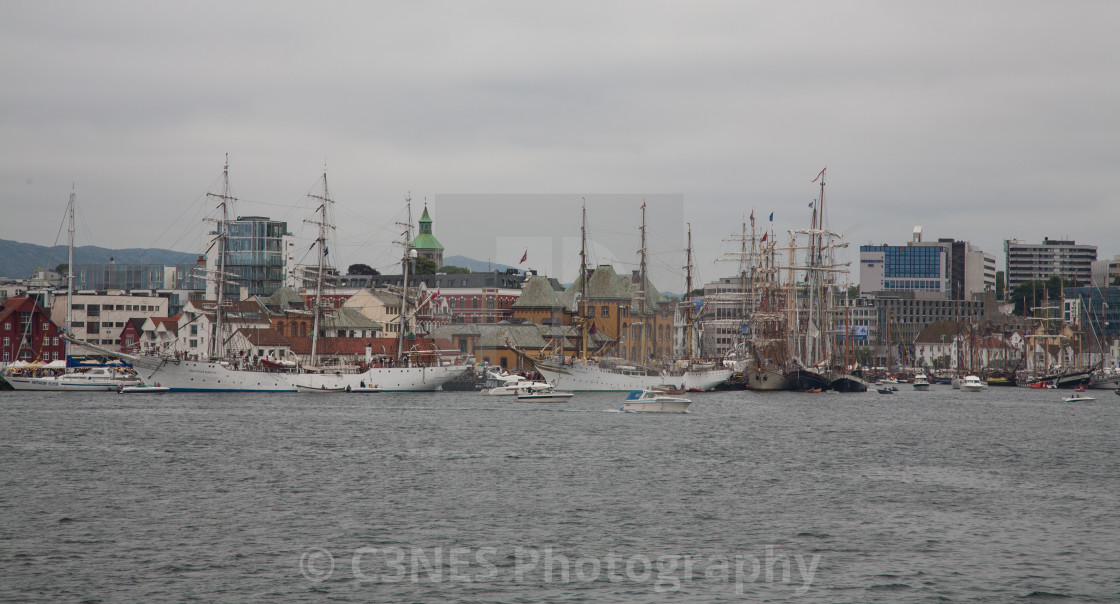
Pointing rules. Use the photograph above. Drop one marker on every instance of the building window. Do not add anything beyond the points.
(606, 311)
(94, 310)
(93, 327)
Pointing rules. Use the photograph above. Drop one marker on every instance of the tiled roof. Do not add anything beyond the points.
(538, 293)
(263, 337)
(347, 318)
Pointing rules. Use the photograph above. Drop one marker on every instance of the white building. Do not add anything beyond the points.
(99, 317)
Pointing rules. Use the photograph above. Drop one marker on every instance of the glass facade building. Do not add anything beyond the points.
(254, 255)
(903, 268)
(1097, 307)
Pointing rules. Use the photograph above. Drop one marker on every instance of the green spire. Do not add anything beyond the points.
(425, 240)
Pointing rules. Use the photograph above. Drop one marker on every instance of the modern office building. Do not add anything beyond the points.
(1106, 272)
(1052, 257)
(257, 253)
(945, 269)
(1095, 308)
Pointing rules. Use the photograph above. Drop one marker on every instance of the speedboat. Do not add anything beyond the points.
(652, 401)
(1077, 398)
(971, 383)
(543, 395)
(921, 382)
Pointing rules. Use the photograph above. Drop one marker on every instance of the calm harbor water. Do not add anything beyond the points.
(1004, 495)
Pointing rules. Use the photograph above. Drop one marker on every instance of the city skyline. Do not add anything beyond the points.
(979, 123)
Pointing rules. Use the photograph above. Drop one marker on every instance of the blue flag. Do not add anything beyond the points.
(771, 217)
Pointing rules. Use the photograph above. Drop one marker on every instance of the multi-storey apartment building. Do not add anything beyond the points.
(1052, 257)
(100, 317)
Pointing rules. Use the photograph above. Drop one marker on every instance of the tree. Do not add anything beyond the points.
(361, 269)
(453, 270)
(853, 292)
(999, 285)
(425, 267)
(1036, 293)
(62, 268)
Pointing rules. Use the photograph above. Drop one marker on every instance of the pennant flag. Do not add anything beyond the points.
(524, 256)
(643, 204)
(752, 215)
(593, 331)
(819, 175)
(326, 250)
(771, 217)
(764, 236)
(810, 204)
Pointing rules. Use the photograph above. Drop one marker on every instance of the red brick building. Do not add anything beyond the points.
(27, 333)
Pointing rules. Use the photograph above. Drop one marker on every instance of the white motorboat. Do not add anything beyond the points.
(1077, 398)
(971, 383)
(363, 389)
(653, 401)
(95, 379)
(512, 385)
(921, 382)
(547, 395)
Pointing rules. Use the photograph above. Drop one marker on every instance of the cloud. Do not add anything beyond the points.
(980, 122)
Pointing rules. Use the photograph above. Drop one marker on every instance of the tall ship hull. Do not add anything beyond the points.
(766, 380)
(387, 379)
(851, 383)
(585, 377)
(198, 376)
(802, 380)
(201, 376)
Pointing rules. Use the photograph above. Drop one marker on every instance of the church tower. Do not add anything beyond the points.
(425, 243)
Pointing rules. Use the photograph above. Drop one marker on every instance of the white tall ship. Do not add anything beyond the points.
(219, 374)
(410, 373)
(614, 374)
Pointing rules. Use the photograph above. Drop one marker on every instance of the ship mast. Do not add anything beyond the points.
(583, 283)
(216, 337)
(69, 277)
(325, 200)
(409, 254)
(643, 293)
(688, 296)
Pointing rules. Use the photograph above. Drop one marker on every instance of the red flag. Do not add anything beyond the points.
(592, 331)
(764, 236)
(752, 215)
(819, 175)
(524, 256)
(643, 204)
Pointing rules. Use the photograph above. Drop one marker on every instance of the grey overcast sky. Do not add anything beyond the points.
(980, 121)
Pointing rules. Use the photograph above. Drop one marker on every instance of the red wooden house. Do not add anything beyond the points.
(27, 333)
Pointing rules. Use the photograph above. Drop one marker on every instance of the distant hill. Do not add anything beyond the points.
(19, 260)
(478, 266)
